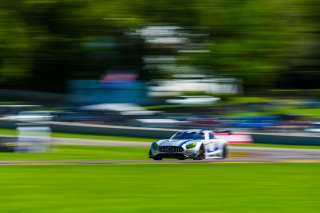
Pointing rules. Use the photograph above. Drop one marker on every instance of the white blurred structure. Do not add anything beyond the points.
(314, 127)
(158, 123)
(163, 35)
(122, 108)
(33, 138)
(193, 100)
(30, 116)
(34, 134)
(208, 85)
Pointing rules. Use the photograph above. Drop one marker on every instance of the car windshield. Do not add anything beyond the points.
(188, 135)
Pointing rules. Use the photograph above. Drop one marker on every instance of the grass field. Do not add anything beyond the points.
(308, 113)
(75, 152)
(223, 188)
(83, 136)
(277, 146)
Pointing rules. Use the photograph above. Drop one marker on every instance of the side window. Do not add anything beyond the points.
(211, 136)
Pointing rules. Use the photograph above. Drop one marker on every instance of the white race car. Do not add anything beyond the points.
(194, 143)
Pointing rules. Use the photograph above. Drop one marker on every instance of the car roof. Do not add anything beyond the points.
(196, 131)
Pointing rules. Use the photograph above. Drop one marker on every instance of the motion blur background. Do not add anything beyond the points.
(227, 63)
(81, 80)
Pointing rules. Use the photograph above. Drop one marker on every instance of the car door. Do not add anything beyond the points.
(210, 142)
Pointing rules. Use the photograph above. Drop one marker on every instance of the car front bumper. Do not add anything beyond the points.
(189, 153)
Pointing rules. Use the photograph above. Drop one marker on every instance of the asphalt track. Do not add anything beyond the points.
(251, 155)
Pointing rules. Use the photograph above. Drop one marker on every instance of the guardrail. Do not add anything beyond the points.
(289, 138)
(81, 128)
(111, 130)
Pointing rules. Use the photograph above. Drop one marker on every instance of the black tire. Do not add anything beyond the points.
(157, 158)
(224, 152)
(181, 158)
(201, 154)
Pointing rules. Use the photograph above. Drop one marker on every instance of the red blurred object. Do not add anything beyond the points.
(235, 138)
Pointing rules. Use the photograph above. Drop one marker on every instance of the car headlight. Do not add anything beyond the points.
(191, 145)
(154, 145)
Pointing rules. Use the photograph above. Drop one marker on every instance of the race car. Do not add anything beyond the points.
(196, 144)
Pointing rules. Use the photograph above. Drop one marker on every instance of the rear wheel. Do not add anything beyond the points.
(201, 154)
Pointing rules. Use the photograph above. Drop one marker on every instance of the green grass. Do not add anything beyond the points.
(245, 100)
(277, 146)
(172, 106)
(307, 113)
(75, 152)
(101, 137)
(8, 132)
(222, 188)
(229, 101)
(84, 136)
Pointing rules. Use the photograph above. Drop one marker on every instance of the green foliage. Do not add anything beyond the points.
(41, 42)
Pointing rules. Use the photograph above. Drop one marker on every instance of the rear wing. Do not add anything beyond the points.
(229, 132)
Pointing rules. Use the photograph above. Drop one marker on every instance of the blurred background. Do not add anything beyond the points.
(212, 64)
(90, 82)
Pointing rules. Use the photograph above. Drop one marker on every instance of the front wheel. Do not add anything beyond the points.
(224, 152)
(201, 154)
(157, 158)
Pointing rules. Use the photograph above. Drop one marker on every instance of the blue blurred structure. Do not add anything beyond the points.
(254, 121)
(95, 92)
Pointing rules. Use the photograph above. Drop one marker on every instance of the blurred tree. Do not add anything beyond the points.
(256, 41)
(15, 59)
(303, 50)
(57, 51)
(45, 43)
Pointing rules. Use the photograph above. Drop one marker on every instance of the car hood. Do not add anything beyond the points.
(170, 142)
